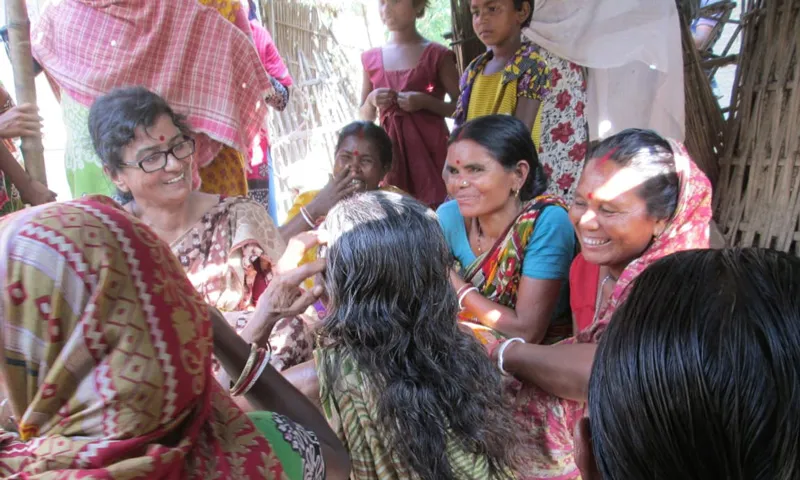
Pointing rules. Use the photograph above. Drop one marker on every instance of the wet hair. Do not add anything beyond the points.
(375, 134)
(651, 155)
(114, 118)
(393, 311)
(698, 373)
(508, 141)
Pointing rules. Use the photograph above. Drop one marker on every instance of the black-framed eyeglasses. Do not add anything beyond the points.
(158, 160)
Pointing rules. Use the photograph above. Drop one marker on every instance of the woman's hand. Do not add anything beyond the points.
(21, 121)
(339, 187)
(284, 296)
(35, 193)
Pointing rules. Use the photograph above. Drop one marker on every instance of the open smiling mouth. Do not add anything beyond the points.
(176, 179)
(594, 242)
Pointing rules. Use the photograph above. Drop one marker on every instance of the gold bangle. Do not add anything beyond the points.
(251, 360)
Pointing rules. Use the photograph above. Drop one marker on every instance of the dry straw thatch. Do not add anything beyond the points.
(324, 95)
(704, 123)
(757, 201)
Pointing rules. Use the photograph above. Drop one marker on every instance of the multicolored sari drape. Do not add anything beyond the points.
(497, 272)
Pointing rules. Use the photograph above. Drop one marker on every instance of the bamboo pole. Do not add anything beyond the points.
(19, 36)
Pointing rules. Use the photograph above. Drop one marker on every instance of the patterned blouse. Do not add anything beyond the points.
(527, 67)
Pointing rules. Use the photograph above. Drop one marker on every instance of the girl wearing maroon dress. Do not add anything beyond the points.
(405, 82)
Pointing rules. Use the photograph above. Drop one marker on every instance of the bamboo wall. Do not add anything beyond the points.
(323, 98)
(758, 200)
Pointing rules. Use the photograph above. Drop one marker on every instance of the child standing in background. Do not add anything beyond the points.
(261, 174)
(406, 81)
(511, 77)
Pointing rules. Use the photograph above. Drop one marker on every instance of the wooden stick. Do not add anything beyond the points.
(19, 36)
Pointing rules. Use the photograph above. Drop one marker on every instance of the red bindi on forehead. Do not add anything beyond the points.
(355, 152)
(458, 161)
(590, 196)
(161, 138)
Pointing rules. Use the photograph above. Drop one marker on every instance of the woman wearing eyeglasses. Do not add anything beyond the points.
(226, 245)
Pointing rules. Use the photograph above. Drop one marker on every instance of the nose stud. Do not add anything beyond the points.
(464, 183)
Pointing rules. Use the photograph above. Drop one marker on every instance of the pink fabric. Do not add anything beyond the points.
(419, 139)
(276, 68)
(202, 64)
(269, 55)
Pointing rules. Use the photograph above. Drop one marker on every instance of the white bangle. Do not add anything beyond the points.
(464, 295)
(502, 351)
(307, 217)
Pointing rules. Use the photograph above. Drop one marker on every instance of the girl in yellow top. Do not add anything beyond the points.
(511, 77)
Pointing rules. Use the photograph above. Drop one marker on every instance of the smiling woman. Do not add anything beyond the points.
(626, 195)
(226, 245)
(512, 243)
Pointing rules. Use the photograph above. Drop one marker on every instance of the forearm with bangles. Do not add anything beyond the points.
(562, 370)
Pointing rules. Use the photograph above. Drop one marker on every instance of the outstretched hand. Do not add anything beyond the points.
(284, 296)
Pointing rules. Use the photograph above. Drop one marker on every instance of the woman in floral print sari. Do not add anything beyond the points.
(226, 245)
(106, 365)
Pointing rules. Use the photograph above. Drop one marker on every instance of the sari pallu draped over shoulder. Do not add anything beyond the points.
(198, 55)
(107, 356)
(497, 272)
(547, 421)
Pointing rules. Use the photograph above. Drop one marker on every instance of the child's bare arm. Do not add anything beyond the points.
(367, 111)
(527, 109)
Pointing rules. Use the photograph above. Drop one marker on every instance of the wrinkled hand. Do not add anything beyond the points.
(411, 101)
(21, 121)
(383, 98)
(338, 188)
(35, 193)
(284, 297)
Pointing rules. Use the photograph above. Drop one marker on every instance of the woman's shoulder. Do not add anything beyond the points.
(449, 210)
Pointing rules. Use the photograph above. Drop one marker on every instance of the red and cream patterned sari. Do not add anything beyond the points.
(106, 356)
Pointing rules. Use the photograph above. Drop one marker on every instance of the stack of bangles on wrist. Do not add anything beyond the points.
(256, 363)
(310, 221)
(463, 292)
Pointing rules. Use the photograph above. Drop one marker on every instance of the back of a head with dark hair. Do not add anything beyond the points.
(508, 140)
(372, 132)
(650, 155)
(115, 116)
(392, 310)
(698, 373)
